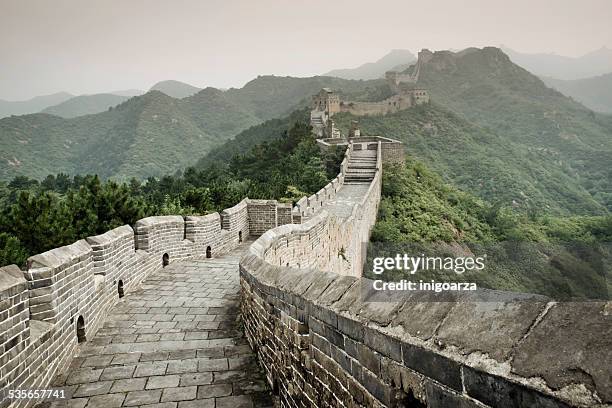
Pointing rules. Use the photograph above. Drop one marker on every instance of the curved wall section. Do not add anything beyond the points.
(322, 345)
(76, 285)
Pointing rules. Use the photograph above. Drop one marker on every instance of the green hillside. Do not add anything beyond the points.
(559, 257)
(149, 135)
(154, 134)
(37, 216)
(595, 92)
(85, 105)
(33, 105)
(273, 96)
(377, 69)
(255, 135)
(175, 89)
(481, 161)
(485, 87)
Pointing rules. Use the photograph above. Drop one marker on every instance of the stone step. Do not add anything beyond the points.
(362, 161)
(368, 176)
(362, 165)
(361, 170)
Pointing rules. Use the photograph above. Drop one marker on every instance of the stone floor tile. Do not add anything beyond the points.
(179, 394)
(106, 401)
(129, 384)
(196, 379)
(240, 401)
(117, 372)
(95, 388)
(214, 390)
(134, 398)
(163, 381)
(150, 368)
(200, 403)
(84, 375)
(125, 358)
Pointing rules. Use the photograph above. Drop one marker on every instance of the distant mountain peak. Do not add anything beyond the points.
(549, 64)
(33, 105)
(396, 59)
(175, 89)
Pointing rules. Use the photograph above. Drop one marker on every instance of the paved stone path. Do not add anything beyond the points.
(176, 342)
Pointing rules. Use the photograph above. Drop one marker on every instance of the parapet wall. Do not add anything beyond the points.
(392, 150)
(65, 294)
(322, 345)
(325, 339)
(306, 207)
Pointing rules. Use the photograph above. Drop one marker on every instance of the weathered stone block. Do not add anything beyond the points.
(433, 365)
(499, 392)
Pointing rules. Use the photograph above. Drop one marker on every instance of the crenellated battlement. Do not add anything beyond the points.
(64, 295)
(323, 338)
(326, 339)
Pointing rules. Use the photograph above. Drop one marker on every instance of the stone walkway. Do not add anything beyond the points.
(176, 342)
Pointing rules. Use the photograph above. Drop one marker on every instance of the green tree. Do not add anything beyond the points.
(11, 250)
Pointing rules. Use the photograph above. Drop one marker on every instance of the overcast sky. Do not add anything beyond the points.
(89, 46)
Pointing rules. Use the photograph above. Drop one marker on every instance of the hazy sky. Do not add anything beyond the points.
(89, 46)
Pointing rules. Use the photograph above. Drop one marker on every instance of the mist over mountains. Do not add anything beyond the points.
(396, 60)
(592, 64)
(594, 93)
(65, 104)
(511, 138)
(36, 104)
(175, 89)
(153, 134)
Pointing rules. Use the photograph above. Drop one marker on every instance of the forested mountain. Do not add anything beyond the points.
(36, 104)
(595, 92)
(570, 143)
(175, 89)
(85, 105)
(492, 128)
(561, 257)
(504, 138)
(154, 134)
(37, 216)
(373, 70)
(594, 63)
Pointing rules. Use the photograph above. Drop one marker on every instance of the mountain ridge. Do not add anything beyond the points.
(175, 89)
(142, 137)
(85, 105)
(489, 90)
(394, 60)
(32, 105)
(594, 63)
(594, 92)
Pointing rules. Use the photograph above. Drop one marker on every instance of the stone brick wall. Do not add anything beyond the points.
(42, 309)
(321, 345)
(14, 324)
(392, 104)
(236, 221)
(393, 152)
(262, 215)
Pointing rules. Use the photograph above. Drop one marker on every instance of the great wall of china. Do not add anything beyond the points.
(406, 94)
(160, 315)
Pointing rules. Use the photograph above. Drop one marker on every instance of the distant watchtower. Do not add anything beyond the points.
(326, 101)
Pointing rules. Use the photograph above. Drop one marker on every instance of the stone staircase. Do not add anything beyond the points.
(361, 167)
(316, 121)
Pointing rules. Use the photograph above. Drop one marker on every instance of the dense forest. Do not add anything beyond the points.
(499, 164)
(561, 257)
(38, 216)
